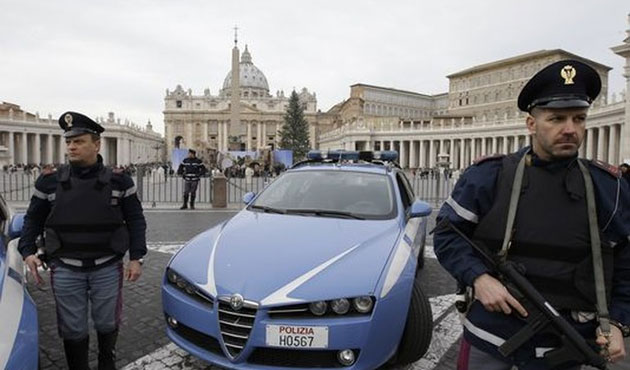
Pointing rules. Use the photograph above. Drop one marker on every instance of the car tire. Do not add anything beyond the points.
(418, 328)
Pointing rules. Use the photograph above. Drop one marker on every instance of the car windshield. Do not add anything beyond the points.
(329, 193)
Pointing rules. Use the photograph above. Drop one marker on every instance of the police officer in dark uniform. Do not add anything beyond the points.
(90, 216)
(191, 169)
(550, 236)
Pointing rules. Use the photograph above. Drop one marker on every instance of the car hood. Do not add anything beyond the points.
(278, 259)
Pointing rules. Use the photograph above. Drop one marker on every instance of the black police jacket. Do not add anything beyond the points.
(192, 169)
(123, 208)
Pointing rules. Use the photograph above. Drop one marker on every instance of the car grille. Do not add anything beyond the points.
(199, 339)
(235, 326)
(295, 358)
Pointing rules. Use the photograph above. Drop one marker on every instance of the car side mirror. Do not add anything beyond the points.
(248, 197)
(420, 209)
(15, 228)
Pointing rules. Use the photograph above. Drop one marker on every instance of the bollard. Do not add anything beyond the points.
(219, 191)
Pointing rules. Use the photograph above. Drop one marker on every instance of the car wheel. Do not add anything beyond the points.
(418, 328)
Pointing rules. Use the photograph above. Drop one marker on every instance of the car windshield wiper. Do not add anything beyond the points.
(325, 213)
(269, 209)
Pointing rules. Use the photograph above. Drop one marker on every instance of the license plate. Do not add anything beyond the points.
(290, 336)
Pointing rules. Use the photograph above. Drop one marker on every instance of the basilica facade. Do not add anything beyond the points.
(242, 116)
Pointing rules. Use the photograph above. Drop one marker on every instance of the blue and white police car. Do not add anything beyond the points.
(318, 271)
(18, 314)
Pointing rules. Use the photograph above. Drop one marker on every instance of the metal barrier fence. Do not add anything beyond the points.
(18, 186)
(432, 190)
(169, 189)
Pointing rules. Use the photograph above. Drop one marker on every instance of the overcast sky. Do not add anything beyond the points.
(121, 56)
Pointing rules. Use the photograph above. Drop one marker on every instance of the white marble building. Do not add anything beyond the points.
(26, 138)
(478, 116)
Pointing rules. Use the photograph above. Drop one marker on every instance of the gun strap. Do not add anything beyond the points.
(598, 269)
(514, 196)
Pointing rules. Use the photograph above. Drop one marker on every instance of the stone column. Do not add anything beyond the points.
(37, 152)
(582, 148)
(263, 135)
(413, 157)
(205, 133)
(226, 136)
(494, 145)
(515, 143)
(248, 141)
(219, 136)
(623, 51)
(590, 133)
(49, 149)
(613, 149)
(120, 155)
(392, 147)
(258, 135)
(403, 155)
(473, 150)
(432, 153)
(11, 147)
(462, 152)
(368, 145)
(382, 144)
(104, 151)
(504, 145)
(600, 144)
(62, 150)
(422, 163)
(24, 149)
(190, 139)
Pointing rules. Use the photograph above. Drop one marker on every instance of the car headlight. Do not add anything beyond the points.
(318, 308)
(187, 287)
(171, 276)
(340, 306)
(363, 304)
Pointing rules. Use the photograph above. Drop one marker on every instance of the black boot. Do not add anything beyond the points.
(192, 201)
(107, 350)
(185, 206)
(77, 353)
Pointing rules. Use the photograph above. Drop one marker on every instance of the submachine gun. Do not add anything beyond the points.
(542, 316)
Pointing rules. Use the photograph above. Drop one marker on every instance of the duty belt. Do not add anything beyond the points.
(87, 263)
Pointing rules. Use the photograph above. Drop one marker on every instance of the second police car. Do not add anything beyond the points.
(18, 313)
(319, 270)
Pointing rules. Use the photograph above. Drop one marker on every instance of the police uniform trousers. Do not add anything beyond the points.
(190, 187)
(74, 291)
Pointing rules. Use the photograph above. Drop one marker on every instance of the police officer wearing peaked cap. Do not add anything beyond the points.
(191, 169)
(549, 236)
(91, 217)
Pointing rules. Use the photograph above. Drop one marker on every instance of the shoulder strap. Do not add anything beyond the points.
(514, 196)
(598, 269)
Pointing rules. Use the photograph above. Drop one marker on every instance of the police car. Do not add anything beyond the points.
(18, 333)
(317, 271)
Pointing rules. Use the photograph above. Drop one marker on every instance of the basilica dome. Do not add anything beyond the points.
(250, 76)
